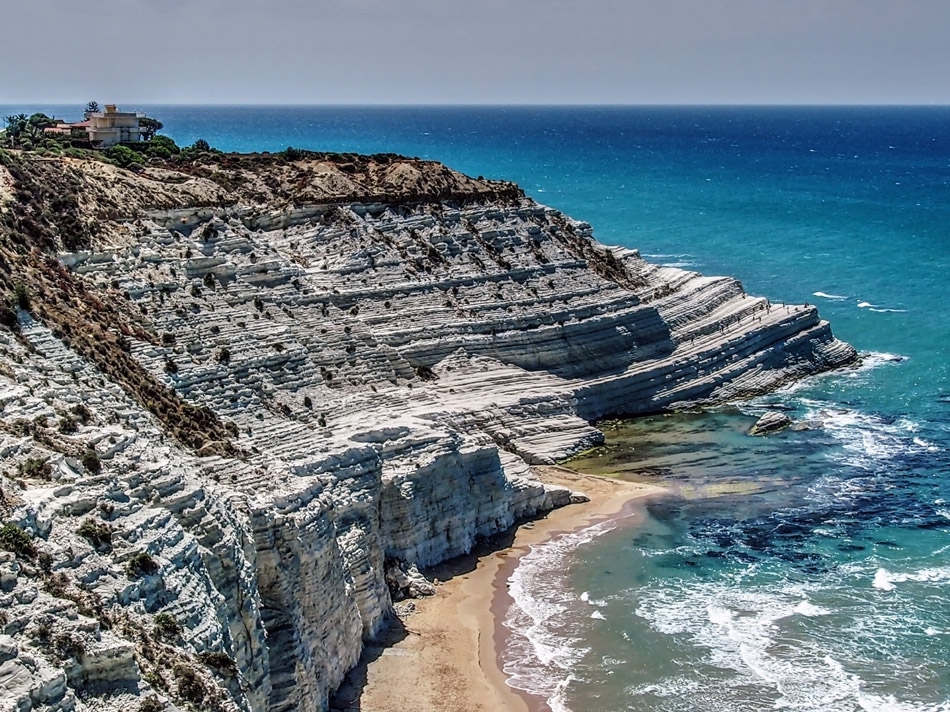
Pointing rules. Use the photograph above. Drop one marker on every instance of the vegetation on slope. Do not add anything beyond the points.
(44, 216)
(72, 203)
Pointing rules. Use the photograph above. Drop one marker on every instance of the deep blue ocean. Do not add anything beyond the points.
(809, 570)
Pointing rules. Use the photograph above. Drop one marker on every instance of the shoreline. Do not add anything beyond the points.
(445, 652)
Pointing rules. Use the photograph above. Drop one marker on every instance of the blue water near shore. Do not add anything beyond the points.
(809, 570)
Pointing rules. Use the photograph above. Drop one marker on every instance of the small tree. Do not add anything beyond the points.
(148, 127)
(16, 126)
(92, 107)
(162, 147)
(38, 123)
(201, 145)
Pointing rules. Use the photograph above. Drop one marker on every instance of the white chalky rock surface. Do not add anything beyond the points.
(393, 372)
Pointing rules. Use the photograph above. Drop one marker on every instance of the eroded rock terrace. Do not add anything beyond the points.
(389, 371)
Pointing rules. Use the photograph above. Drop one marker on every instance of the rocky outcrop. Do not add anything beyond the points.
(386, 351)
(770, 422)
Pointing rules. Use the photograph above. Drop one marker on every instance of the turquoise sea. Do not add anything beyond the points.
(809, 570)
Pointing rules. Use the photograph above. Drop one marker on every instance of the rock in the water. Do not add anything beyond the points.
(770, 422)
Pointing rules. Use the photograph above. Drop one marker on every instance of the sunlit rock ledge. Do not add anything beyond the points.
(387, 358)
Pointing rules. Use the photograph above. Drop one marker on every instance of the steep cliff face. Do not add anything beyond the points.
(336, 363)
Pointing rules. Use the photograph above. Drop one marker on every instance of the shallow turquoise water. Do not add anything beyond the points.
(823, 584)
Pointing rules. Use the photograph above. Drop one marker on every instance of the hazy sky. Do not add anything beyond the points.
(477, 51)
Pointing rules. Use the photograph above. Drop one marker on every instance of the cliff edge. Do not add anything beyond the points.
(235, 392)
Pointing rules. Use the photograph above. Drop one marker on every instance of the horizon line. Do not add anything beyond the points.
(645, 105)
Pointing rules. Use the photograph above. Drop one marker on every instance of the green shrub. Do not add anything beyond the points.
(162, 143)
(170, 366)
(167, 626)
(190, 686)
(36, 468)
(56, 585)
(224, 355)
(293, 154)
(222, 662)
(66, 646)
(141, 564)
(21, 296)
(151, 703)
(97, 533)
(124, 157)
(14, 539)
(90, 460)
(82, 412)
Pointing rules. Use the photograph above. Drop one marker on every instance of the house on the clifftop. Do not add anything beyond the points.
(112, 127)
(102, 129)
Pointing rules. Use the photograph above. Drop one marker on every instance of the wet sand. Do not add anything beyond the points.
(445, 655)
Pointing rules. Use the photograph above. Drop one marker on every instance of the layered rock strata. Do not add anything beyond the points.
(389, 359)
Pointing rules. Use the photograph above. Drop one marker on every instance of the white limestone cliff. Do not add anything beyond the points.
(393, 370)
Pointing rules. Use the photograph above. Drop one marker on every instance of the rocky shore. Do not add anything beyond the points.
(250, 385)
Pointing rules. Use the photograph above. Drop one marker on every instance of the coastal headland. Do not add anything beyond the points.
(246, 397)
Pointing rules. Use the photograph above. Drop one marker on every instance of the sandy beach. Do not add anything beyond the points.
(443, 656)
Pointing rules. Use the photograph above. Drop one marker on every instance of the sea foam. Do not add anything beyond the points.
(541, 649)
